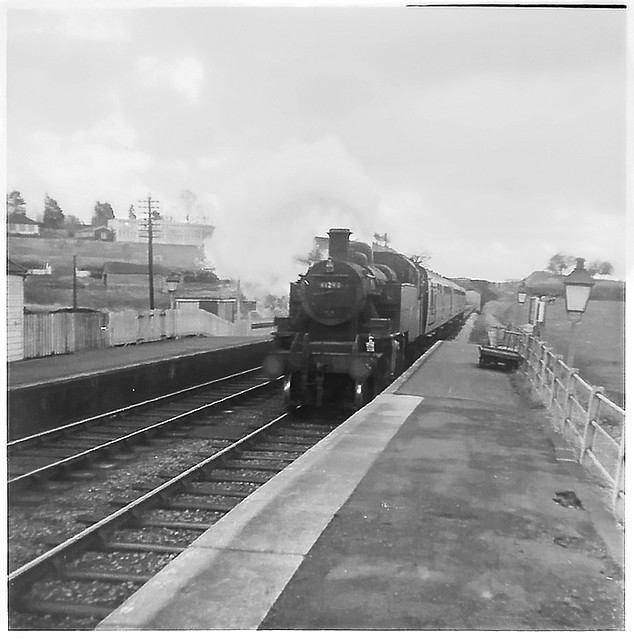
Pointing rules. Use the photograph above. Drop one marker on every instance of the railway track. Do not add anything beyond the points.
(107, 437)
(81, 578)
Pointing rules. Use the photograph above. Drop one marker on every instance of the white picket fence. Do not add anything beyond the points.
(66, 332)
(580, 411)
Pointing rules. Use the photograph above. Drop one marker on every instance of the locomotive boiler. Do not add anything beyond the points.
(354, 321)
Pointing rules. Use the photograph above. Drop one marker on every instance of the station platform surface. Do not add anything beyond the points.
(446, 503)
(60, 367)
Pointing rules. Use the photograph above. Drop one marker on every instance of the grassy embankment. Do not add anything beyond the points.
(57, 290)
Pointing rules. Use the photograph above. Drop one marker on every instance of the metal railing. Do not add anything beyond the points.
(580, 411)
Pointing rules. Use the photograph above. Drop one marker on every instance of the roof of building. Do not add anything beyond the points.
(15, 269)
(20, 218)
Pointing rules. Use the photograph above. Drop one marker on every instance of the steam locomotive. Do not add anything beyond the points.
(355, 320)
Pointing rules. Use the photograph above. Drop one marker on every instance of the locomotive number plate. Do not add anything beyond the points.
(330, 284)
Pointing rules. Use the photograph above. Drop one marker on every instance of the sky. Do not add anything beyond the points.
(488, 139)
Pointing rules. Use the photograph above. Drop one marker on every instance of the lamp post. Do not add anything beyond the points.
(172, 282)
(577, 287)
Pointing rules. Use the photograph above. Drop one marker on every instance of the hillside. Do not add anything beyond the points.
(92, 254)
(546, 283)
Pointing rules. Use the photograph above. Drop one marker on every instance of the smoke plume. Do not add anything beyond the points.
(274, 205)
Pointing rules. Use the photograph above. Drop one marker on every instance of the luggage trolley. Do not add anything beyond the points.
(503, 350)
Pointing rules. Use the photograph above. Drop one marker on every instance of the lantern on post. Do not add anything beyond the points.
(577, 288)
(172, 281)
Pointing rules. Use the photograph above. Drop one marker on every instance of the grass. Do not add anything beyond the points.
(57, 291)
(599, 342)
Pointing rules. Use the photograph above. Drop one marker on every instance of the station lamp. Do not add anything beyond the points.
(522, 294)
(577, 287)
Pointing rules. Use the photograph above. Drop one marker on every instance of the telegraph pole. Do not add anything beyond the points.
(152, 209)
(74, 282)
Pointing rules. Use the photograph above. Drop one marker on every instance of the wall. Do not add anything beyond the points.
(15, 318)
(44, 406)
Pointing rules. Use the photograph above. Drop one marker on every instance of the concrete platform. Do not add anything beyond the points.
(47, 392)
(444, 504)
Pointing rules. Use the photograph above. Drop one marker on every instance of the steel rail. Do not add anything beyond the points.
(58, 464)
(20, 578)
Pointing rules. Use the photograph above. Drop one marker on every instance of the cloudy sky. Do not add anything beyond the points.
(489, 139)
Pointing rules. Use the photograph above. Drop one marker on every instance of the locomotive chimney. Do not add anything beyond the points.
(338, 245)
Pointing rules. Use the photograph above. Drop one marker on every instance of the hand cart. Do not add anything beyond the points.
(503, 350)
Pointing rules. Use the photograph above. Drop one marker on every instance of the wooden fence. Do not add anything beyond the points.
(66, 332)
(580, 411)
(127, 327)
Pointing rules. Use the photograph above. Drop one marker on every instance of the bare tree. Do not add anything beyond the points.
(420, 258)
(382, 239)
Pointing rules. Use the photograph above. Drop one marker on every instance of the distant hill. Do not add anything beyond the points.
(550, 284)
(487, 290)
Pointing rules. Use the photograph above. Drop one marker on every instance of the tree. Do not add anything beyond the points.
(131, 213)
(103, 213)
(420, 258)
(382, 239)
(275, 305)
(72, 223)
(559, 263)
(53, 214)
(599, 267)
(16, 204)
(313, 256)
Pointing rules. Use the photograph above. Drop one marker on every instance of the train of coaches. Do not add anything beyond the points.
(356, 320)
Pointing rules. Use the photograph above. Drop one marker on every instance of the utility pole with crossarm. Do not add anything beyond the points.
(150, 209)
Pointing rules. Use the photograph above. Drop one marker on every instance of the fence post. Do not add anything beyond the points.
(528, 359)
(543, 362)
(553, 388)
(589, 430)
(568, 398)
(619, 473)
(524, 351)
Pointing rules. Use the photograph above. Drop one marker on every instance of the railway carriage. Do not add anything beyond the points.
(354, 321)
